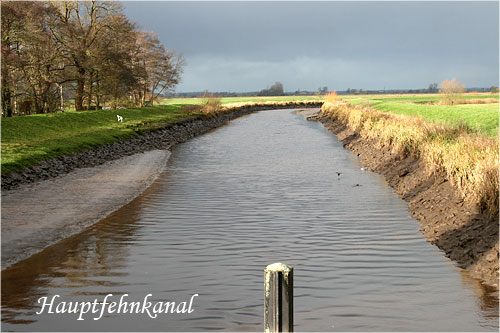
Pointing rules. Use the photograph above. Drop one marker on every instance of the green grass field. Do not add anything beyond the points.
(480, 118)
(417, 99)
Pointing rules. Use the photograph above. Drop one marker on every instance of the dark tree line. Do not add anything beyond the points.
(275, 90)
(87, 50)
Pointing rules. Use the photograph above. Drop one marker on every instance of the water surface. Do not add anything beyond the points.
(263, 189)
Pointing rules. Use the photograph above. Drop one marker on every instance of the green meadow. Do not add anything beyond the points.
(480, 118)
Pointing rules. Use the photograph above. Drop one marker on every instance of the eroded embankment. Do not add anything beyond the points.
(158, 138)
(462, 227)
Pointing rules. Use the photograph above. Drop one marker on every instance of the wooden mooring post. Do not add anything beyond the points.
(278, 298)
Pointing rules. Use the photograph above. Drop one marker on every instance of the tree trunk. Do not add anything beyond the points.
(80, 86)
(38, 106)
(89, 93)
(97, 91)
(61, 96)
(6, 93)
(6, 100)
(145, 95)
(151, 99)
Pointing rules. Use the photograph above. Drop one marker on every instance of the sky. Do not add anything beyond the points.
(247, 46)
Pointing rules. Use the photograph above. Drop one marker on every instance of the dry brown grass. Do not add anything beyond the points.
(331, 97)
(470, 161)
(211, 105)
(189, 108)
(469, 101)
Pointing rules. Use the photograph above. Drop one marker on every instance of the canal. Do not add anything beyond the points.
(268, 187)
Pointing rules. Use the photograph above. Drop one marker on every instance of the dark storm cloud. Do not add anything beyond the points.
(248, 45)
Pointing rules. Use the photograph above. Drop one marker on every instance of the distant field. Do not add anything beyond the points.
(480, 118)
(418, 98)
(225, 100)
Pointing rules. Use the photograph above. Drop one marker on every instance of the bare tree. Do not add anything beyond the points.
(159, 69)
(110, 75)
(29, 65)
(451, 89)
(433, 88)
(166, 73)
(12, 27)
(77, 27)
(89, 46)
(275, 90)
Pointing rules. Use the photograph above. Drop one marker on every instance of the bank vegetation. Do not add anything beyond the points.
(470, 160)
(29, 140)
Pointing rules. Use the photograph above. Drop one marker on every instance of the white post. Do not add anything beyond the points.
(278, 298)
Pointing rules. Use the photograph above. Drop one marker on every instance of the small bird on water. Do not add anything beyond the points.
(338, 173)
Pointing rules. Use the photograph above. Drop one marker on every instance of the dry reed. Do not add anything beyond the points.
(470, 161)
(211, 105)
(470, 101)
(331, 97)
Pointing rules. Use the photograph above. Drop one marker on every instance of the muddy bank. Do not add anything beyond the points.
(37, 215)
(466, 236)
(158, 138)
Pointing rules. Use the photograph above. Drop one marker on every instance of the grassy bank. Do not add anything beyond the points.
(29, 139)
(478, 117)
(469, 160)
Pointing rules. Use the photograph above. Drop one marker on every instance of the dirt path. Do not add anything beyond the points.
(37, 215)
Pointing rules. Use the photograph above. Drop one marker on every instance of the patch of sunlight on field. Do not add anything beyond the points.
(480, 118)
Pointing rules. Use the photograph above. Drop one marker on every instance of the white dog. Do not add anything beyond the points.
(120, 118)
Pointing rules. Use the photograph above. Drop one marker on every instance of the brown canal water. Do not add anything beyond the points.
(263, 189)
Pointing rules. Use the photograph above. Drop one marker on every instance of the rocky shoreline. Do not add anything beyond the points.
(466, 236)
(158, 138)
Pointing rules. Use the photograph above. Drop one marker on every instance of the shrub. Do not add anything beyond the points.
(451, 90)
(211, 104)
(331, 96)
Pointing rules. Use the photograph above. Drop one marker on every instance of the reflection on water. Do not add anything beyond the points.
(261, 190)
